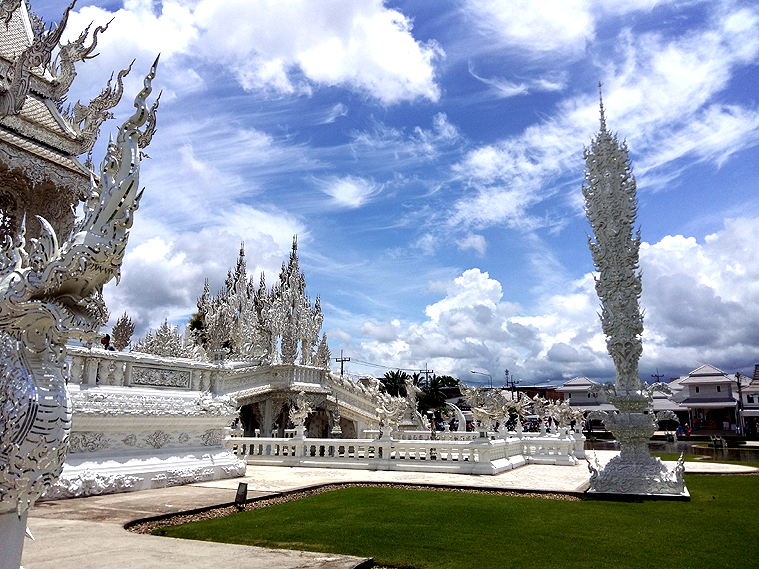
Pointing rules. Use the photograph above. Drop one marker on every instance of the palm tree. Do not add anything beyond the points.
(394, 383)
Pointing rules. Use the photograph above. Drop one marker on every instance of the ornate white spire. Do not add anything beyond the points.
(611, 208)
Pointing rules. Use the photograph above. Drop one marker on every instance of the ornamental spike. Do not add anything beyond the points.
(601, 101)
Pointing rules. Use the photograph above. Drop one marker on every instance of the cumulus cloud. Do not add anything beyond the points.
(537, 26)
(288, 47)
(700, 301)
(560, 29)
(273, 47)
(382, 332)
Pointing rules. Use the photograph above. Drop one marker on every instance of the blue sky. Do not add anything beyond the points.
(429, 157)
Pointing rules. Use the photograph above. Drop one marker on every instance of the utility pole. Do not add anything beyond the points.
(657, 375)
(427, 373)
(342, 361)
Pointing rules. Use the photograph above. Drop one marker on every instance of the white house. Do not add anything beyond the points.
(711, 399)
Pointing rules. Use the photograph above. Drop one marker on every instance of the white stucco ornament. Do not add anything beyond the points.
(611, 208)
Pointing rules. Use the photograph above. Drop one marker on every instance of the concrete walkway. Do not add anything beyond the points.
(88, 533)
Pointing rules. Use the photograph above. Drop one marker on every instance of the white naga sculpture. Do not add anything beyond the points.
(611, 208)
(48, 294)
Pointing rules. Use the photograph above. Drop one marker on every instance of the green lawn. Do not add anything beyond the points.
(432, 529)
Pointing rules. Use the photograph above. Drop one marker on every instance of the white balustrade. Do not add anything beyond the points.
(95, 366)
(479, 456)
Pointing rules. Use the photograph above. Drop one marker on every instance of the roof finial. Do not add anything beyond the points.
(295, 242)
(242, 248)
(601, 100)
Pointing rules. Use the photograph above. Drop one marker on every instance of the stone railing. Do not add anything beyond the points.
(482, 455)
(95, 366)
(439, 435)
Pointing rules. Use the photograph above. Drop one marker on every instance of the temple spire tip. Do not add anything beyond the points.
(601, 103)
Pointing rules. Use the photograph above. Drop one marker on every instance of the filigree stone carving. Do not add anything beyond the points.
(157, 439)
(90, 484)
(211, 437)
(165, 342)
(263, 326)
(87, 402)
(300, 409)
(88, 442)
(48, 294)
(180, 477)
(160, 377)
(235, 470)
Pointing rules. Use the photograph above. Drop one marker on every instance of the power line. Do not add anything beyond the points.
(389, 367)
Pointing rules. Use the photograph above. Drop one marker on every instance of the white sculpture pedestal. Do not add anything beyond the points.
(635, 471)
(12, 532)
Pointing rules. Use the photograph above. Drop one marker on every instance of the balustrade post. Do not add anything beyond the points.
(91, 370)
(118, 373)
(76, 370)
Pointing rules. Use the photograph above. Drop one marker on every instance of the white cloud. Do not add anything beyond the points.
(383, 332)
(504, 88)
(337, 110)
(537, 26)
(275, 47)
(555, 29)
(658, 93)
(350, 191)
(287, 47)
(701, 303)
(473, 241)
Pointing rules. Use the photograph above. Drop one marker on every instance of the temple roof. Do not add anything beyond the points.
(40, 141)
(33, 109)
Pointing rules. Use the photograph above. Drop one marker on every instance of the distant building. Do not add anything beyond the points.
(750, 410)
(712, 399)
(578, 392)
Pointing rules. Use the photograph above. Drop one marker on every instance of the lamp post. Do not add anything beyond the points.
(490, 376)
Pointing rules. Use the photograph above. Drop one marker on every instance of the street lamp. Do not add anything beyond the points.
(490, 376)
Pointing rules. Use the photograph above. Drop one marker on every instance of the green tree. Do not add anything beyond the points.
(433, 394)
(394, 383)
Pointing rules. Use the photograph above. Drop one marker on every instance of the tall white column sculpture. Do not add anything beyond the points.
(611, 208)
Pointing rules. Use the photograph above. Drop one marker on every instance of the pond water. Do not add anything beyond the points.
(688, 447)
